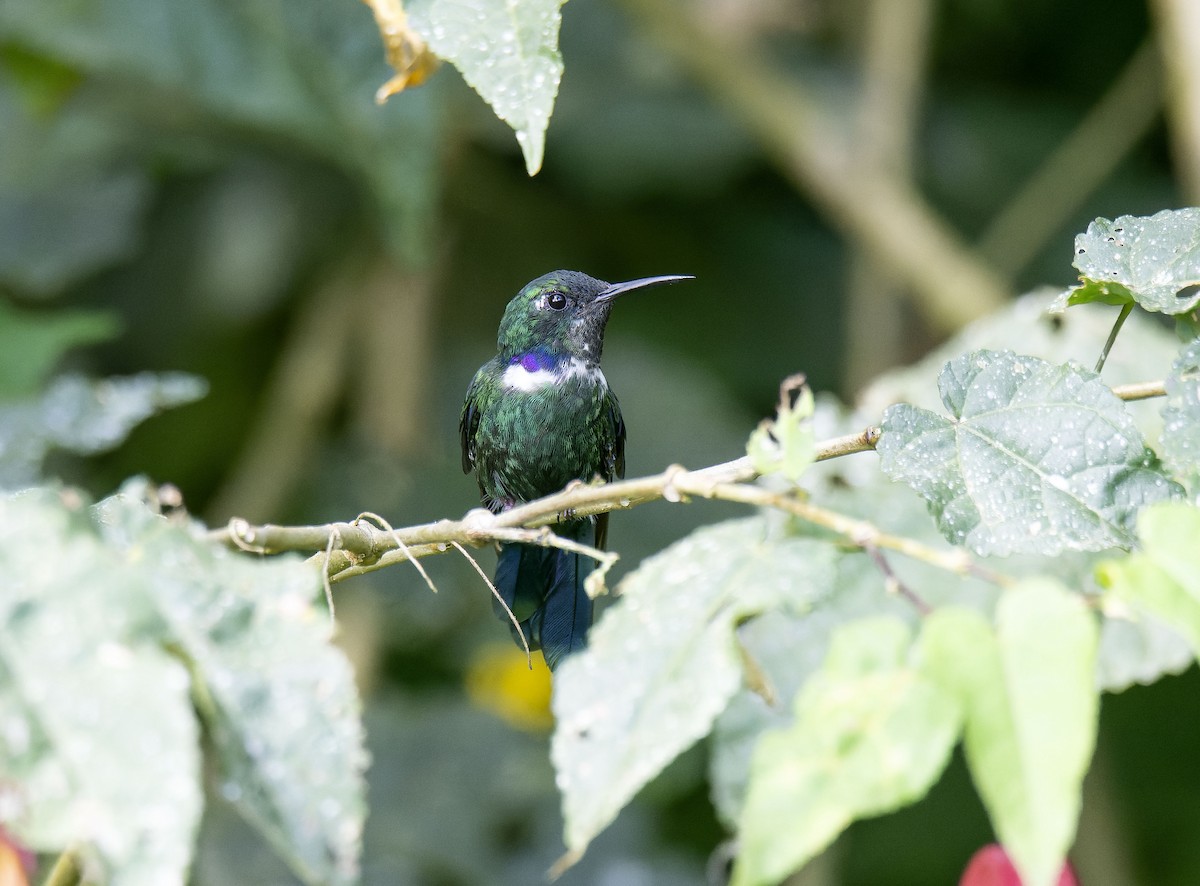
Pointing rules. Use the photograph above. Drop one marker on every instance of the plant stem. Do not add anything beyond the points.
(1112, 336)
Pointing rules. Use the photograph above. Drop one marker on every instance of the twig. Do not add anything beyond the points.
(1142, 390)
(496, 593)
(892, 582)
(859, 533)
(325, 577)
(674, 482)
(400, 545)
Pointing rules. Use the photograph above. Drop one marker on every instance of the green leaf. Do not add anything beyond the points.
(871, 735)
(664, 661)
(276, 696)
(98, 741)
(1153, 261)
(78, 415)
(1180, 440)
(1164, 576)
(31, 344)
(507, 50)
(1028, 690)
(1034, 458)
(1100, 291)
(96, 722)
(787, 444)
(786, 649)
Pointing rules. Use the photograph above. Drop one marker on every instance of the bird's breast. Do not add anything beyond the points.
(546, 427)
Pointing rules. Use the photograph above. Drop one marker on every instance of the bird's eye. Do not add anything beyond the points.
(556, 300)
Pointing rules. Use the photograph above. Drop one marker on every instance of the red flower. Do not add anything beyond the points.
(991, 866)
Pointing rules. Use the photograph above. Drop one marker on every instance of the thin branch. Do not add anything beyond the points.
(893, 584)
(1142, 390)
(361, 543)
(401, 546)
(674, 484)
(325, 578)
(859, 533)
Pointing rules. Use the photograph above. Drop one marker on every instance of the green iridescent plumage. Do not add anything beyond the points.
(523, 444)
(537, 416)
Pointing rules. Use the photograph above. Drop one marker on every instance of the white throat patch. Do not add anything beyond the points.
(517, 378)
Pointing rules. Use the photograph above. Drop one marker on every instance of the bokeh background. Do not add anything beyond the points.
(849, 180)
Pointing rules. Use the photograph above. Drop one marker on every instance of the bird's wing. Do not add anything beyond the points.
(614, 459)
(614, 456)
(468, 424)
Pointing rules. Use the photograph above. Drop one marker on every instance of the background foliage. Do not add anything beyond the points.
(209, 188)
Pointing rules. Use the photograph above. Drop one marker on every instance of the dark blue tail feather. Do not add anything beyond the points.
(544, 589)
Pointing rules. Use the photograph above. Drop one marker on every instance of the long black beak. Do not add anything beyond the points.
(615, 289)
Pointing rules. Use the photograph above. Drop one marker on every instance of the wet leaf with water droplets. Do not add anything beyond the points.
(98, 739)
(507, 50)
(1154, 261)
(871, 734)
(96, 718)
(277, 697)
(1180, 439)
(1034, 457)
(1028, 691)
(664, 661)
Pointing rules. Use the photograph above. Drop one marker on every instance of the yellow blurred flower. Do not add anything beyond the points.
(499, 680)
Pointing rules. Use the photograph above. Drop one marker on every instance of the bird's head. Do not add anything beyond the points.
(564, 313)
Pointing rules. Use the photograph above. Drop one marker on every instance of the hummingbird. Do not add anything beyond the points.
(537, 416)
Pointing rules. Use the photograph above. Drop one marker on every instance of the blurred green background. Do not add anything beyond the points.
(848, 181)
